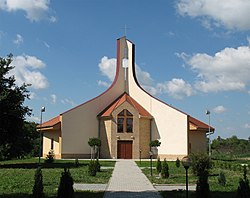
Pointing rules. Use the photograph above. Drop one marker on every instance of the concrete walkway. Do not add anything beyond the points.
(128, 181)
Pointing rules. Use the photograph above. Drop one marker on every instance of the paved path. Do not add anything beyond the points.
(128, 181)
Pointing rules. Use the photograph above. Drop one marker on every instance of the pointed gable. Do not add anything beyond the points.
(119, 101)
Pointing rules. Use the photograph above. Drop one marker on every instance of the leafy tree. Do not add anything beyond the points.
(155, 143)
(231, 146)
(30, 139)
(37, 191)
(94, 143)
(12, 112)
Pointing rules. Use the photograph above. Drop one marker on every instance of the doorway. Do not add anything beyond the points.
(124, 149)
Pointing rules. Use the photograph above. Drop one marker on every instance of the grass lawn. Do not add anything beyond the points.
(17, 176)
(232, 170)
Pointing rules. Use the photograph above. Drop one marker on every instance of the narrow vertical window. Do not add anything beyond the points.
(52, 144)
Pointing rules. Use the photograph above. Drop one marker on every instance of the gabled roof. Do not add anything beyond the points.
(200, 125)
(119, 101)
(50, 123)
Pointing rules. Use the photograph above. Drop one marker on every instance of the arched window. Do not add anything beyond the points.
(125, 122)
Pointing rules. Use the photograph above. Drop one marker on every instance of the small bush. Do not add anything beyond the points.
(244, 188)
(92, 168)
(158, 165)
(77, 164)
(65, 189)
(50, 157)
(97, 165)
(165, 169)
(37, 191)
(177, 163)
(222, 179)
(201, 164)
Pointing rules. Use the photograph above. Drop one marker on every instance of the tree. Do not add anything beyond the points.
(201, 164)
(244, 188)
(12, 112)
(37, 191)
(165, 169)
(158, 165)
(94, 143)
(65, 189)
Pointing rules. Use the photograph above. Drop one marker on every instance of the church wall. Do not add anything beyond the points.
(197, 139)
(144, 137)
(105, 136)
(81, 123)
(169, 125)
(47, 136)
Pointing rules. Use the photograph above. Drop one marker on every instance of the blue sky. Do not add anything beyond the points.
(192, 54)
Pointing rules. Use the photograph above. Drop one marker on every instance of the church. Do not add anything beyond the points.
(126, 119)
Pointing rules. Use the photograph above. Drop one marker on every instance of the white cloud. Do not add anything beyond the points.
(26, 71)
(107, 67)
(151, 89)
(53, 98)
(35, 10)
(143, 77)
(18, 40)
(219, 109)
(227, 70)
(247, 126)
(176, 88)
(68, 101)
(231, 14)
(103, 83)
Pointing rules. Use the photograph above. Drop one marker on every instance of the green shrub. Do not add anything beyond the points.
(201, 164)
(165, 169)
(65, 189)
(158, 165)
(94, 142)
(155, 143)
(177, 163)
(50, 157)
(97, 165)
(37, 191)
(243, 188)
(77, 164)
(92, 168)
(222, 179)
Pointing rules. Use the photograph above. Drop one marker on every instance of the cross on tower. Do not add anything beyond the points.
(126, 29)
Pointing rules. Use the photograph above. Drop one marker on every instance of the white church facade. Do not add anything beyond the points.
(126, 118)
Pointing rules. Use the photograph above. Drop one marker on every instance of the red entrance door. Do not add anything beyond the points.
(124, 149)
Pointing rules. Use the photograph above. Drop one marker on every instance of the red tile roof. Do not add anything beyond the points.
(50, 123)
(199, 124)
(120, 100)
